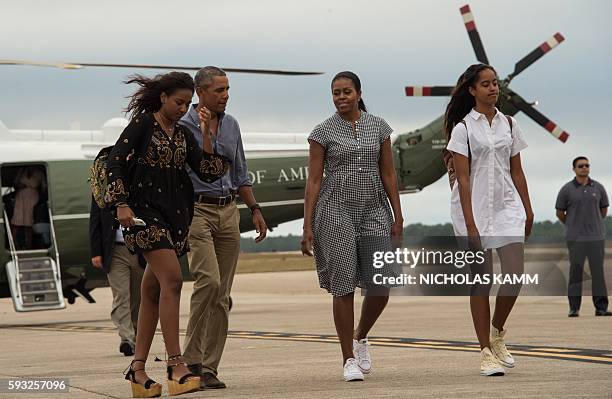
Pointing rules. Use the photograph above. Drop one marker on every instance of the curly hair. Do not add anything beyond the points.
(147, 97)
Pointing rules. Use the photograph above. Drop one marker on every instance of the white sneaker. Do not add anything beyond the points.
(489, 365)
(498, 348)
(362, 355)
(351, 371)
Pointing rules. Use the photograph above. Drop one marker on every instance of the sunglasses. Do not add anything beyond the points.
(584, 165)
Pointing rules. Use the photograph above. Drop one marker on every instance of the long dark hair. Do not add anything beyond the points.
(356, 82)
(147, 97)
(462, 102)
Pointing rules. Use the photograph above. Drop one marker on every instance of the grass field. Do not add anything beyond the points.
(273, 262)
(259, 262)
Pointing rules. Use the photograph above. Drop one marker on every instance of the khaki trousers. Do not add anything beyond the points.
(124, 278)
(214, 240)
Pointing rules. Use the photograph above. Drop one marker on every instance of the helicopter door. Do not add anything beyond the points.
(33, 271)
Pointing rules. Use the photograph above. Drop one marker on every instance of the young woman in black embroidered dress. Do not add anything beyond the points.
(155, 188)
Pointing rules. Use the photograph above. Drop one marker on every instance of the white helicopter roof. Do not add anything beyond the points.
(28, 145)
(3, 129)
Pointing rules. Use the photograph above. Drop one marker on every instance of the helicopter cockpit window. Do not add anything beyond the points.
(25, 198)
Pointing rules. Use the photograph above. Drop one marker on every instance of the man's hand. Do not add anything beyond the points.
(96, 261)
(260, 226)
(205, 116)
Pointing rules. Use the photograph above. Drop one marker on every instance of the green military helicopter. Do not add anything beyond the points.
(55, 263)
(59, 266)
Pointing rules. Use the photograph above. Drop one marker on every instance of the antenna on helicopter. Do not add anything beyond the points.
(512, 100)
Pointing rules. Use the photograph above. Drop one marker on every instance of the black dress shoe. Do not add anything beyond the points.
(210, 381)
(603, 313)
(126, 349)
(573, 313)
(195, 369)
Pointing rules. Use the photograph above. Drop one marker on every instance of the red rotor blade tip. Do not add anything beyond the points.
(465, 9)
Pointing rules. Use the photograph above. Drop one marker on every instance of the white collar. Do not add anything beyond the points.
(477, 115)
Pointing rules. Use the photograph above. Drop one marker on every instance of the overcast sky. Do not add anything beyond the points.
(389, 44)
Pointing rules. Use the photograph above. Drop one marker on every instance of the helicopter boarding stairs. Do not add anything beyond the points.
(34, 275)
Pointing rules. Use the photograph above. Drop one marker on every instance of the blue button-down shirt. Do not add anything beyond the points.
(227, 142)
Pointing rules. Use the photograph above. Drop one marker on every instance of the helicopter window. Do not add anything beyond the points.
(25, 199)
(414, 140)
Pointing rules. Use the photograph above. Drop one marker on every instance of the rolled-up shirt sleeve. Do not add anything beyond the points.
(518, 138)
(208, 167)
(241, 175)
(459, 140)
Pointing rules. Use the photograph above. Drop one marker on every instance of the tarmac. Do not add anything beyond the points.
(282, 345)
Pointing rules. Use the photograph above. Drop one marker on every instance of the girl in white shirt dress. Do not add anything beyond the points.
(489, 202)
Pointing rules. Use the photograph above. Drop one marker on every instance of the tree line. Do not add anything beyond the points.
(543, 232)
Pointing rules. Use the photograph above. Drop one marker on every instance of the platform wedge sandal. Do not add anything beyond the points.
(150, 389)
(186, 384)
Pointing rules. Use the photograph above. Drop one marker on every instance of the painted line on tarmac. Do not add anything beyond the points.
(571, 354)
(597, 356)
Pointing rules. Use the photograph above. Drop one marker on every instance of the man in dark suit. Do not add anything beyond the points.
(124, 270)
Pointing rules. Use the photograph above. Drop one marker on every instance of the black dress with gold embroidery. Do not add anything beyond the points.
(155, 184)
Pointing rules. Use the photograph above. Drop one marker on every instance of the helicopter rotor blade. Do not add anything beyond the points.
(536, 54)
(79, 65)
(41, 63)
(540, 119)
(470, 26)
(426, 91)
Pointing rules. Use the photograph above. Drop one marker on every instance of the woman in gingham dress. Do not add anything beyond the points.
(347, 214)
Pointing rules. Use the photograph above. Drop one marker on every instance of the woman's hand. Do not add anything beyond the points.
(474, 238)
(528, 224)
(307, 241)
(397, 233)
(125, 216)
(397, 229)
(96, 261)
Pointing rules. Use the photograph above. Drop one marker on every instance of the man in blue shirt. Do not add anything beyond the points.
(214, 236)
(581, 206)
